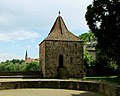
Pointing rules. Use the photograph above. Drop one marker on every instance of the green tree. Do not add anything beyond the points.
(32, 66)
(89, 62)
(12, 65)
(102, 65)
(103, 18)
(8, 66)
(88, 37)
(105, 65)
(22, 67)
(17, 61)
(17, 65)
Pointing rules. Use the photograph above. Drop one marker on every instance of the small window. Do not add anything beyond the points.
(60, 61)
(75, 44)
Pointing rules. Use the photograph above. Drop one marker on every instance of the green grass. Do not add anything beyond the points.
(108, 79)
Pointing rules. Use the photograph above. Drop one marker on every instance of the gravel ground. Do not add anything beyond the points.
(46, 92)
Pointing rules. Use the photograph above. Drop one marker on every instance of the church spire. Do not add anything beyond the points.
(26, 55)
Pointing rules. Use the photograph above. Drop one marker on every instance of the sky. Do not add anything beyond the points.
(25, 23)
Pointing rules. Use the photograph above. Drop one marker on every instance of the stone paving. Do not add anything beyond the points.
(46, 92)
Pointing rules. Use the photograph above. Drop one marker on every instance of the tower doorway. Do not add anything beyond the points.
(61, 61)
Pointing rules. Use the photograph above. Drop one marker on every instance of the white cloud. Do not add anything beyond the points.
(7, 56)
(18, 36)
(41, 13)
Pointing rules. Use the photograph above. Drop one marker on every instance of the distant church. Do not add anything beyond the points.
(28, 59)
(61, 53)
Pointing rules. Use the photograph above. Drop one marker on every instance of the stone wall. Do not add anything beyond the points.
(102, 88)
(42, 57)
(19, 73)
(29, 74)
(72, 52)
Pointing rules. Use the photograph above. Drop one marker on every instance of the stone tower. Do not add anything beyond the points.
(61, 53)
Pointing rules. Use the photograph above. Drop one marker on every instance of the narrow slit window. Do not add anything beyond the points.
(71, 60)
(75, 44)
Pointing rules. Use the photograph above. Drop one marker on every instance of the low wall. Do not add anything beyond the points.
(19, 73)
(29, 74)
(105, 89)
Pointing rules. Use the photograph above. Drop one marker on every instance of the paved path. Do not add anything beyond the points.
(46, 92)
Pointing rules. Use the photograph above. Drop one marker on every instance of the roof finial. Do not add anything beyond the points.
(59, 12)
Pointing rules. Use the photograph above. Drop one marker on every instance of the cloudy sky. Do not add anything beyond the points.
(25, 23)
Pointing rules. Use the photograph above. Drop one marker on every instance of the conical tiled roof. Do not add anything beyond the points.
(59, 31)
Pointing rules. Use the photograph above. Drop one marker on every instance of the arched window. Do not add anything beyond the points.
(75, 44)
(60, 61)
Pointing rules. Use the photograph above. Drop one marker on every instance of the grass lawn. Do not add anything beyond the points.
(109, 79)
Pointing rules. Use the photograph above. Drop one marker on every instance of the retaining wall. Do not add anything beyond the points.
(19, 73)
(29, 74)
(105, 89)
